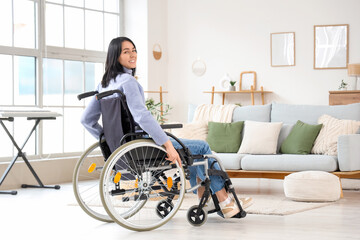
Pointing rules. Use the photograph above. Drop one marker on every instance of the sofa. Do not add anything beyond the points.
(346, 164)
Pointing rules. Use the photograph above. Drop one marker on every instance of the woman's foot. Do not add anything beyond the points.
(229, 208)
(246, 202)
(209, 205)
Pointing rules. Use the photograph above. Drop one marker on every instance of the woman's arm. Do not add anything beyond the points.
(135, 100)
(142, 116)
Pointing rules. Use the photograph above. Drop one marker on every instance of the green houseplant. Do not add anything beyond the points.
(232, 86)
(155, 110)
(343, 85)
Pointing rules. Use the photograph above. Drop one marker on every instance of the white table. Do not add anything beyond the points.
(37, 114)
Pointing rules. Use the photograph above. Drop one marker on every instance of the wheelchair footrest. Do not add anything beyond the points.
(240, 214)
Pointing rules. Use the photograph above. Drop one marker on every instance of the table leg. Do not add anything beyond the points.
(23, 155)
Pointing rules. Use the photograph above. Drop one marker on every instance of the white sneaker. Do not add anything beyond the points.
(229, 210)
(209, 205)
(246, 202)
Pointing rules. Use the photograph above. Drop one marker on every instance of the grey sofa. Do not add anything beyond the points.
(346, 164)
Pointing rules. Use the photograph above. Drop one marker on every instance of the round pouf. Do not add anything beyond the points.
(312, 186)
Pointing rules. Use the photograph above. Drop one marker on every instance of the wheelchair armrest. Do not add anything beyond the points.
(87, 94)
(169, 126)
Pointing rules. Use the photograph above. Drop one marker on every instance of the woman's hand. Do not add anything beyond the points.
(172, 154)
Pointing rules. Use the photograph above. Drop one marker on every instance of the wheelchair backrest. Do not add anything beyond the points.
(117, 120)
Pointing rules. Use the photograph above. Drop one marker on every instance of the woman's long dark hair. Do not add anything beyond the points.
(112, 65)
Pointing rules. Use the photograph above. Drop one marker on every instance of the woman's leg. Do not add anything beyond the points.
(199, 147)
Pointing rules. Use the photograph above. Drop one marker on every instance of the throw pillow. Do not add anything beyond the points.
(196, 131)
(326, 143)
(301, 138)
(224, 137)
(260, 137)
(284, 132)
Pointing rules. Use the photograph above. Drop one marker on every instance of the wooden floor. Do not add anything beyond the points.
(45, 214)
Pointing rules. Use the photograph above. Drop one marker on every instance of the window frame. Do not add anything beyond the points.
(42, 51)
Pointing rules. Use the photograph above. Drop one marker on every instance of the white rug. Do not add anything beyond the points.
(262, 204)
(266, 204)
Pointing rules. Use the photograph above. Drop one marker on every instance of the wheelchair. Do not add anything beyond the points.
(129, 181)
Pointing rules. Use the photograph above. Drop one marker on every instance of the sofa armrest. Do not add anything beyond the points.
(349, 152)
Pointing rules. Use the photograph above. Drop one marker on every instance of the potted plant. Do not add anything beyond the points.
(155, 110)
(343, 85)
(232, 86)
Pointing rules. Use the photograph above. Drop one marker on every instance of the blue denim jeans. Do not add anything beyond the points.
(199, 147)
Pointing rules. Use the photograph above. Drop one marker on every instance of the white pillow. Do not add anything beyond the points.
(260, 137)
(195, 130)
(326, 141)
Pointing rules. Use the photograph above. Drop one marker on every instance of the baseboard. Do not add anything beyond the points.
(52, 171)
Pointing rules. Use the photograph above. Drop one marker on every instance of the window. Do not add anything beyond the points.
(51, 51)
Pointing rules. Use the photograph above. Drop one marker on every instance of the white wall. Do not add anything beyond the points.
(136, 28)
(157, 34)
(232, 36)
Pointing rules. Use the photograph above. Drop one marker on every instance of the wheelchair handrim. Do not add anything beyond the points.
(104, 195)
(82, 203)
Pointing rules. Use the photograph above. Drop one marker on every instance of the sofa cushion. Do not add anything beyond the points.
(224, 137)
(230, 160)
(289, 162)
(291, 113)
(326, 142)
(259, 113)
(260, 137)
(301, 138)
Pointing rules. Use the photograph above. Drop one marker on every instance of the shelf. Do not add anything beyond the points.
(251, 92)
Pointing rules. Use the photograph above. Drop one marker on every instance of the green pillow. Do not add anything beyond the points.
(301, 138)
(225, 137)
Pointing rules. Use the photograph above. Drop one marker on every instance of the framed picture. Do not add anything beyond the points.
(247, 80)
(331, 46)
(282, 49)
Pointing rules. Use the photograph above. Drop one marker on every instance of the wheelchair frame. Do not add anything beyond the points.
(196, 214)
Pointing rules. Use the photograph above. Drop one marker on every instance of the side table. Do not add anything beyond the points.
(344, 97)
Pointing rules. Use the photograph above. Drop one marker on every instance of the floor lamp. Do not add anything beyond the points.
(354, 70)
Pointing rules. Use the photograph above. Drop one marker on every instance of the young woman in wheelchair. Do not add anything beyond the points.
(119, 74)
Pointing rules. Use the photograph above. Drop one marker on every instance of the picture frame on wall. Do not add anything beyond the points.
(247, 80)
(282, 49)
(331, 46)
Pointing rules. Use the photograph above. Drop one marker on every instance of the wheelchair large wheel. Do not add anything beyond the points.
(86, 179)
(139, 188)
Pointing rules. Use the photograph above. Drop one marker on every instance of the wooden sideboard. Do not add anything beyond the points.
(344, 97)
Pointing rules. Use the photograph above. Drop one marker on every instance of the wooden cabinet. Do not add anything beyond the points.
(344, 97)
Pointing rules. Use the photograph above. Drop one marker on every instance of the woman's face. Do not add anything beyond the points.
(128, 55)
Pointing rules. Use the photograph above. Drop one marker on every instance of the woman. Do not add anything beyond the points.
(119, 74)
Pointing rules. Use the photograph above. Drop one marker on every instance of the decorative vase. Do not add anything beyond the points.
(232, 88)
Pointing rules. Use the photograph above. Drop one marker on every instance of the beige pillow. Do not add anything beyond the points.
(260, 137)
(326, 142)
(195, 130)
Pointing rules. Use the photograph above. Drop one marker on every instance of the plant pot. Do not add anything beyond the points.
(232, 88)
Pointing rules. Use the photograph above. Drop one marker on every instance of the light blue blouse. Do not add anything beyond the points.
(136, 102)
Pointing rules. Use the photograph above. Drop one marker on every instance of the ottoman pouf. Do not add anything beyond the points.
(312, 186)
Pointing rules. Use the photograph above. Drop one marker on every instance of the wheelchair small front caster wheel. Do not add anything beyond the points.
(195, 217)
(164, 208)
